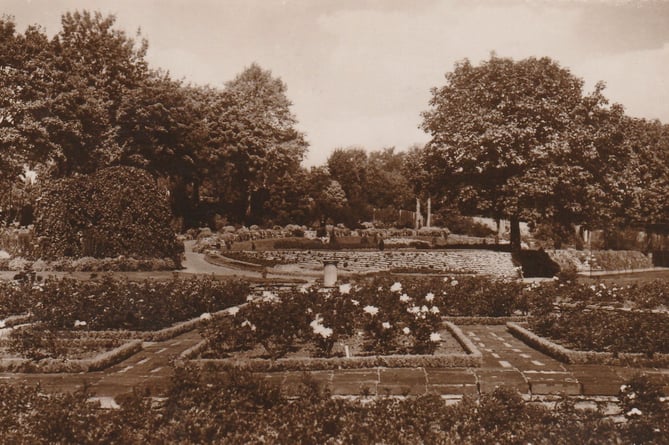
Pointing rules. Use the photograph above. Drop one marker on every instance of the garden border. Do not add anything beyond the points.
(134, 344)
(472, 358)
(571, 356)
(475, 320)
(51, 365)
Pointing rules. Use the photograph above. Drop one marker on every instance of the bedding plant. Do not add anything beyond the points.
(95, 313)
(380, 314)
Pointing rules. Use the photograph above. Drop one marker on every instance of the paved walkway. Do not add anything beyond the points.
(506, 361)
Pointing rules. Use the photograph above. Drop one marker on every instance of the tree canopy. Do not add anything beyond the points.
(520, 139)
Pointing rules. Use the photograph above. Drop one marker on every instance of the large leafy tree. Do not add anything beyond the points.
(348, 166)
(255, 141)
(97, 66)
(25, 119)
(387, 184)
(520, 139)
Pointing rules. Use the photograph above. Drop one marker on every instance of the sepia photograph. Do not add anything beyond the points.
(334, 222)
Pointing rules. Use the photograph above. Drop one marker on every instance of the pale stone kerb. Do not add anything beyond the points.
(466, 343)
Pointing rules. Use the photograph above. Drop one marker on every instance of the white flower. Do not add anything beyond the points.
(232, 311)
(406, 330)
(269, 297)
(319, 329)
(385, 325)
(249, 324)
(78, 323)
(424, 308)
(623, 387)
(434, 309)
(345, 288)
(355, 302)
(446, 279)
(413, 310)
(325, 332)
(371, 310)
(454, 283)
(304, 289)
(205, 316)
(435, 337)
(404, 298)
(396, 287)
(429, 297)
(634, 412)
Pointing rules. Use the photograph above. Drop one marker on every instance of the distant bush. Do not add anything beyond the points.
(115, 211)
(463, 225)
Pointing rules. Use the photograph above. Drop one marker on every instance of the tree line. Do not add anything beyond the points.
(519, 140)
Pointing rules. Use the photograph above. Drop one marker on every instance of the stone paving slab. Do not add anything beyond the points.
(544, 383)
(490, 378)
(402, 381)
(358, 382)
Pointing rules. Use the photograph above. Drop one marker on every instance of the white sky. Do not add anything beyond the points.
(359, 71)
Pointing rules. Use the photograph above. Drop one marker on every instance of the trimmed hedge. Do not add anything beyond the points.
(114, 211)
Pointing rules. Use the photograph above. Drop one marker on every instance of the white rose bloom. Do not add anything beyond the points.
(371, 310)
(345, 288)
(435, 337)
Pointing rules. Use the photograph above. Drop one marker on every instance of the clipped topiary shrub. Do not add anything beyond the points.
(114, 211)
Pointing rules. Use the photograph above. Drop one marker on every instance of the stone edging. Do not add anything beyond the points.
(486, 320)
(50, 365)
(471, 359)
(566, 355)
(102, 360)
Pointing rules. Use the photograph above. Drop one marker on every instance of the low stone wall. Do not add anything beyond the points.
(476, 261)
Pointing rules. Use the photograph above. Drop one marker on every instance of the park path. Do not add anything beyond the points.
(506, 361)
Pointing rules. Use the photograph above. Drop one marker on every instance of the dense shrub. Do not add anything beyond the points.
(463, 225)
(12, 298)
(240, 408)
(111, 303)
(114, 211)
(595, 329)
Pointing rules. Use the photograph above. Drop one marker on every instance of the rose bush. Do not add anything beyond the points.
(240, 408)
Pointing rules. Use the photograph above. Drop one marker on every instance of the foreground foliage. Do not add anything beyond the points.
(239, 408)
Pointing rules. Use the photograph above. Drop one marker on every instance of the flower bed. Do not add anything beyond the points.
(89, 264)
(375, 322)
(454, 350)
(560, 352)
(71, 320)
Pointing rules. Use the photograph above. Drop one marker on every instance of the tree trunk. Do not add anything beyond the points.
(515, 233)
